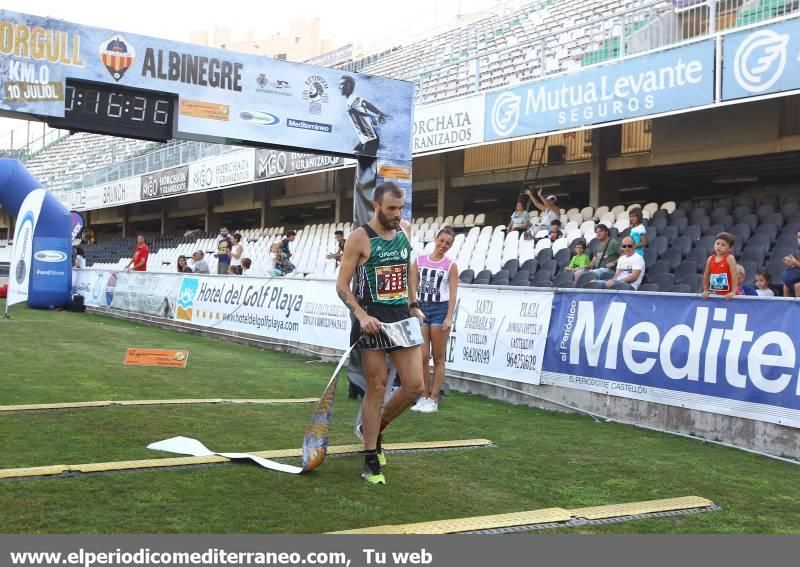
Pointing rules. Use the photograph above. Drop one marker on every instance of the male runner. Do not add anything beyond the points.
(364, 115)
(378, 253)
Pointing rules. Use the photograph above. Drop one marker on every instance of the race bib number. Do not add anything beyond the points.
(719, 282)
(405, 333)
(391, 282)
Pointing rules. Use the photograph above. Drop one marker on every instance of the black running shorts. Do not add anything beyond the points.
(384, 314)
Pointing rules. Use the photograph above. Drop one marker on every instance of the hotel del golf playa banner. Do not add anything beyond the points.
(737, 358)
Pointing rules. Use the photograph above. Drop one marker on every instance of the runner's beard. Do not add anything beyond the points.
(386, 222)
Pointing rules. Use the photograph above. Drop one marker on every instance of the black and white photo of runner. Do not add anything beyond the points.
(364, 115)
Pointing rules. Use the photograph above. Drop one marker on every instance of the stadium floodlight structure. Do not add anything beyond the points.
(83, 78)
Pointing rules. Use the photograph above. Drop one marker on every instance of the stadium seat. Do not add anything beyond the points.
(650, 257)
(562, 258)
(660, 224)
(775, 269)
(501, 278)
(682, 243)
(595, 284)
(726, 202)
(544, 254)
(660, 267)
(753, 253)
(541, 279)
(741, 231)
(719, 212)
(549, 267)
(680, 288)
(483, 278)
(620, 286)
(694, 281)
(467, 276)
(673, 257)
(660, 245)
(699, 256)
(686, 268)
(563, 278)
(750, 269)
(765, 210)
(745, 200)
(662, 280)
(725, 222)
(521, 278)
(585, 278)
(651, 287)
(529, 266)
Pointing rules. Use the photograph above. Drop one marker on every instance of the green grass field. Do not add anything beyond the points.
(542, 459)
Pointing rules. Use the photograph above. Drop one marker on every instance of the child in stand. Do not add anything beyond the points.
(763, 283)
(580, 260)
(720, 276)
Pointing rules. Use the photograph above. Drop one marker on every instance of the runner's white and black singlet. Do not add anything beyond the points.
(382, 286)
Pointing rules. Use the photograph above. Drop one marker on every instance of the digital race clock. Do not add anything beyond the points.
(117, 111)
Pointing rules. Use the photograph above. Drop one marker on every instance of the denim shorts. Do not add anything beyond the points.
(435, 313)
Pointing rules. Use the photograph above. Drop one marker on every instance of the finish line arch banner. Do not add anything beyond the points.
(737, 358)
(85, 78)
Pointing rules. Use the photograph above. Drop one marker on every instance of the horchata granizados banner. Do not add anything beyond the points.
(405, 333)
(22, 254)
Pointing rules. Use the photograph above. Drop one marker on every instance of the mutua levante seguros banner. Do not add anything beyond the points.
(734, 357)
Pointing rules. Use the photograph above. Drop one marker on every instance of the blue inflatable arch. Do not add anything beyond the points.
(50, 283)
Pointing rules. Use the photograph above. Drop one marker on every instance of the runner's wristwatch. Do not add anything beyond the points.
(414, 305)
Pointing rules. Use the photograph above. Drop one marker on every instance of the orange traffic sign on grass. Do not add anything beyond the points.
(156, 357)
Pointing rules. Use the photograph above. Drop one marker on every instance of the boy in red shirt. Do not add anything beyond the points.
(140, 254)
(720, 276)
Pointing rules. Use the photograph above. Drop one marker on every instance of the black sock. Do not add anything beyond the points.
(378, 446)
(371, 461)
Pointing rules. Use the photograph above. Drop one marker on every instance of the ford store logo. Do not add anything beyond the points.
(52, 256)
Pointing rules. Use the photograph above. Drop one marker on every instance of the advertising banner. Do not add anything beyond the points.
(139, 292)
(277, 163)
(222, 95)
(447, 125)
(166, 183)
(737, 358)
(292, 310)
(674, 79)
(229, 169)
(500, 333)
(19, 273)
(761, 61)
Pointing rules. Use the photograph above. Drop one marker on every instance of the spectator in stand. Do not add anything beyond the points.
(580, 260)
(607, 252)
(183, 266)
(519, 219)
(236, 255)
(718, 277)
(549, 208)
(437, 279)
(791, 275)
(80, 258)
(763, 283)
(290, 236)
(140, 254)
(556, 225)
(246, 263)
(340, 240)
(223, 255)
(637, 230)
(281, 265)
(199, 265)
(743, 288)
(630, 266)
(554, 234)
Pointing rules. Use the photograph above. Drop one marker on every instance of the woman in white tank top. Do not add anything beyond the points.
(437, 286)
(237, 252)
